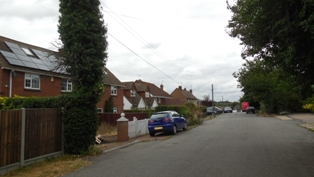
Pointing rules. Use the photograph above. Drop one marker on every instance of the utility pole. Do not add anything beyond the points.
(213, 97)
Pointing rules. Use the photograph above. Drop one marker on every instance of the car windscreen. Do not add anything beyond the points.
(158, 116)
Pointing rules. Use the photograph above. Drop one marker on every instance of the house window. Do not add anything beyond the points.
(99, 110)
(133, 93)
(66, 85)
(32, 81)
(146, 94)
(113, 90)
(115, 110)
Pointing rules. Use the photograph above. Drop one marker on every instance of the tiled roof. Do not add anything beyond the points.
(111, 79)
(140, 85)
(188, 94)
(128, 85)
(174, 101)
(154, 90)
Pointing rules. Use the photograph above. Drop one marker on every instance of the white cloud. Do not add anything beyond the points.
(191, 46)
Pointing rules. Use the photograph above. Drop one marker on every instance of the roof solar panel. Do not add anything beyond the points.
(24, 58)
(30, 64)
(35, 60)
(12, 45)
(45, 61)
(18, 51)
(43, 67)
(9, 54)
(38, 52)
(13, 61)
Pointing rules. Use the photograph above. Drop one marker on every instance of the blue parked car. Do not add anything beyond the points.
(166, 121)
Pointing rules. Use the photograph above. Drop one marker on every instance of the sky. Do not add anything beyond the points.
(173, 43)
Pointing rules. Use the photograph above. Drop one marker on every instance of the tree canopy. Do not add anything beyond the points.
(279, 32)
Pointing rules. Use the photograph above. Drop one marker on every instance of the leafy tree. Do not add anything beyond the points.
(83, 35)
(280, 32)
(206, 101)
(266, 85)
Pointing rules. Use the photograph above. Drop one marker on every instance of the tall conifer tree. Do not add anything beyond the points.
(83, 35)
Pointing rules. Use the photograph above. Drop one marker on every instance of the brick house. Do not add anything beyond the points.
(113, 88)
(184, 95)
(26, 70)
(152, 95)
(132, 100)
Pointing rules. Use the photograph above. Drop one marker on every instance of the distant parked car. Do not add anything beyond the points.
(211, 111)
(250, 109)
(166, 121)
(228, 109)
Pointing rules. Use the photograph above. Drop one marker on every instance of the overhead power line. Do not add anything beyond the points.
(140, 38)
(142, 58)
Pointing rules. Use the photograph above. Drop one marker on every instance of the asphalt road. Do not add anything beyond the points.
(235, 145)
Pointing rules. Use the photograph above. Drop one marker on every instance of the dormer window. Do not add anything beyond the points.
(133, 93)
(27, 51)
(147, 94)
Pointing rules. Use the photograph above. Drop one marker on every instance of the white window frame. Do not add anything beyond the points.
(99, 110)
(114, 90)
(68, 85)
(115, 110)
(147, 94)
(133, 93)
(30, 81)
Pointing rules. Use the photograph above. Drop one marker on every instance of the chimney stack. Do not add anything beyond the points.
(191, 90)
(180, 87)
(161, 87)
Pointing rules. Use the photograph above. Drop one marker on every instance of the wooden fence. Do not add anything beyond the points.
(111, 118)
(28, 135)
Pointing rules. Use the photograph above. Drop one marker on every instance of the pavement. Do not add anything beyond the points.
(307, 118)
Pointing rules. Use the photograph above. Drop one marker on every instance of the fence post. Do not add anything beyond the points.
(146, 123)
(135, 126)
(122, 128)
(22, 138)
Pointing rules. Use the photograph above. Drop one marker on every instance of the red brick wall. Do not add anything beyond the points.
(47, 87)
(117, 100)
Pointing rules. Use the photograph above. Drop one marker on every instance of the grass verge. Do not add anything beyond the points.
(51, 167)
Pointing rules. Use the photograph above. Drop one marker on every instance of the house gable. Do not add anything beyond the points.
(127, 105)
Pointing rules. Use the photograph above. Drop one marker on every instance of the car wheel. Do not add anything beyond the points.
(152, 134)
(185, 126)
(174, 131)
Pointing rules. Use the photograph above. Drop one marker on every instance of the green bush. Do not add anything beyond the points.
(18, 102)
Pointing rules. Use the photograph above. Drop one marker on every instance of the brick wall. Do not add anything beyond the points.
(117, 100)
(48, 87)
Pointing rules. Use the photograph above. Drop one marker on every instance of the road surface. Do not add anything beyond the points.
(232, 144)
